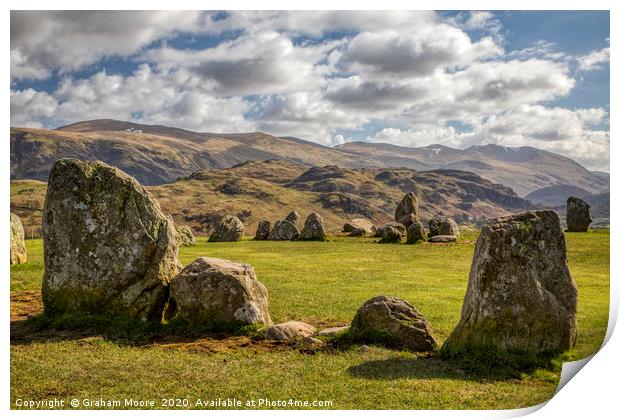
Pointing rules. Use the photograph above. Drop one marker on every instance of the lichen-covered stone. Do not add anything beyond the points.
(108, 247)
(289, 330)
(434, 226)
(186, 235)
(18, 246)
(283, 230)
(227, 229)
(407, 220)
(393, 322)
(218, 293)
(416, 233)
(262, 231)
(392, 232)
(445, 226)
(408, 205)
(313, 229)
(398, 226)
(578, 217)
(521, 296)
(294, 218)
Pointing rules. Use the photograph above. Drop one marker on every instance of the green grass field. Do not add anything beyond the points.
(320, 283)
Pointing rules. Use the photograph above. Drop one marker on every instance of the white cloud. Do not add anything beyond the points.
(266, 63)
(46, 41)
(144, 96)
(594, 60)
(417, 52)
(414, 70)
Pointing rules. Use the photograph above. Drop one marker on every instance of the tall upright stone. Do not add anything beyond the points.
(227, 229)
(18, 245)
(294, 218)
(407, 206)
(443, 226)
(283, 230)
(108, 247)
(521, 296)
(262, 231)
(313, 229)
(186, 235)
(578, 217)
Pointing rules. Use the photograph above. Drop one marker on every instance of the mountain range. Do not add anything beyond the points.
(158, 155)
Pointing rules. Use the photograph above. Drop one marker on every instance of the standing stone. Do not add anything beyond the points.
(227, 229)
(108, 247)
(262, 231)
(394, 322)
(186, 235)
(18, 246)
(408, 205)
(407, 220)
(447, 226)
(313, 229)
(415, 233)
(521, 296)
(577, 215)
(218, 293)
(294, 218)
(398, 226)
(391, 234)
(434, 227)
(283, 230)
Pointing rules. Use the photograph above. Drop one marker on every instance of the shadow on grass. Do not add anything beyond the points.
(125, 331)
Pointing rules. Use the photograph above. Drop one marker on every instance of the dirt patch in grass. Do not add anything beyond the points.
(25, 303)
(29, 304)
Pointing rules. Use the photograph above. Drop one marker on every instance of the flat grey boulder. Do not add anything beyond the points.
(227, 229)
(262, 231)
(408, 205)
(393, 322)
(283, 230)
(108, 247)
(289, 330)
(313, 229)
(578, 217)
(18, 245)
(416, 233)
(186, 235)
(521, 296)
(442, 239)
(360, 226)
(219, 293)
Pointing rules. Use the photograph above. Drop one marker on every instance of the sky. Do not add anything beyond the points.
(410, 78)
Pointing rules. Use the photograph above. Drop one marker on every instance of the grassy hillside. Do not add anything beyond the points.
(271, 189)
(320, 283)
